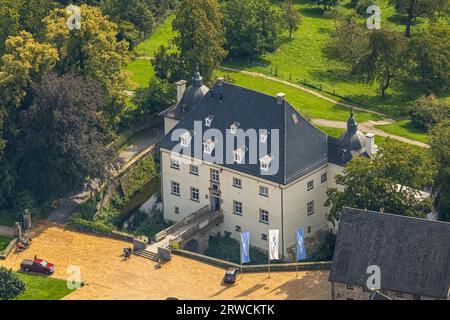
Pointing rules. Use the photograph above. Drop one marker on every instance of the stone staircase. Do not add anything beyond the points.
(147, 254)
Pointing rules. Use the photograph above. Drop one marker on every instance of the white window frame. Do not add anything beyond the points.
(234, 127)
(208, 121)
(263, 137)
(310, 185)
(195, 194)
(174, 186)
(264, 213)
(261, 188)
(175, 164)
(310, 205)
(237, 208)
(215, 173)
(208, 147)
(237, 185)
(185, 139)
(324, 178)
(265, 162)
(194, 172)
(239, 155)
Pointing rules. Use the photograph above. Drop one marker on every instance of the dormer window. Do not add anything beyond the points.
(208, 146)
(208, 121)
(263, 137)
(234, 127)
(265, 163)
(239, 154)
(185, 139)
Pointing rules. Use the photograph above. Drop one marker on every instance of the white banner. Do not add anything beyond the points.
(273, 244)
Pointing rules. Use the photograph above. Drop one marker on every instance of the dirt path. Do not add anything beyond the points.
(141, 142)
(368, 127)
(319, 95)
(110, 277)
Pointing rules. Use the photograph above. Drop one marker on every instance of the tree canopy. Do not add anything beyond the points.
(62, 138)
(390, 182)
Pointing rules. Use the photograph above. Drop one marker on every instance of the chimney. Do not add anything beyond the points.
(280, 97)
(371, 148)
(220, 81)
(181, 88)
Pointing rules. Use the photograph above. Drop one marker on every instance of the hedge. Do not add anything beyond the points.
(90, 226)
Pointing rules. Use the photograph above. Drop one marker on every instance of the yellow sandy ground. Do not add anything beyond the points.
(110, 277)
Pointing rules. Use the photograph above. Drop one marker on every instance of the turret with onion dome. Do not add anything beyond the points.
(187, 99)
(352, 142)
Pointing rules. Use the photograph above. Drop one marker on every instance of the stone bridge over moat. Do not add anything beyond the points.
(192, 234)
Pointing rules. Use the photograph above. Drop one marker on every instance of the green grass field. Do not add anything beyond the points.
(161, 36)
(4, 241)
(43, 288)
(308, 105)
(407, 129)
(299, 59)
(140, 70)
(302, 58)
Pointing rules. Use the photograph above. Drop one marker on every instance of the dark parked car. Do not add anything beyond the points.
(37, 265)
(231, 275)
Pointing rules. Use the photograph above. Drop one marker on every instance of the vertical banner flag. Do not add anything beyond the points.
(273, 244)
(245, 247)
(301, 251)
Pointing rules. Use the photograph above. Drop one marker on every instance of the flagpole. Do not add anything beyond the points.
(268, 258)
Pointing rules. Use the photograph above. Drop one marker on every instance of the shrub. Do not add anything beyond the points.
(362, 5)
(90, 226)
(228, 249)
(151, 226)
(144, 171)
(87, 210)
(10, 285)
(428, 111)
(175, 246)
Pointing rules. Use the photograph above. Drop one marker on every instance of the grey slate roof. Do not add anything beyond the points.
(413, 254)
(191, 97)
(303, 147)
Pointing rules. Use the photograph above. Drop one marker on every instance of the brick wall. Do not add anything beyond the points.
(340, 291)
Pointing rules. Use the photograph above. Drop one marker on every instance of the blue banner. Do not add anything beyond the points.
(245, 247)
(301, 250)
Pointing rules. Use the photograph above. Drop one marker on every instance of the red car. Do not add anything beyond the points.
(37, 265)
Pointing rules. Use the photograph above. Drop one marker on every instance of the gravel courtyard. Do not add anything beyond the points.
(108, 276)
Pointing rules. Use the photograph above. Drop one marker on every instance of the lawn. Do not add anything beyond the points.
(302, 58)
(43, 288)
(4, 241)
(140, 69)
(307, 104)
(161, 36)
(407, 129)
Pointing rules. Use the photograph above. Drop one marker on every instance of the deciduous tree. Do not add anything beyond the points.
(429, 58)
(92, 51)
(252, 27)
(413, 9)
(384, 60)
(10, 285)
(440, 147)
(63, 138)
(290, 17)
(388, 183)
(200, 36)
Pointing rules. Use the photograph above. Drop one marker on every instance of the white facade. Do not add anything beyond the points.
(285, 205)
